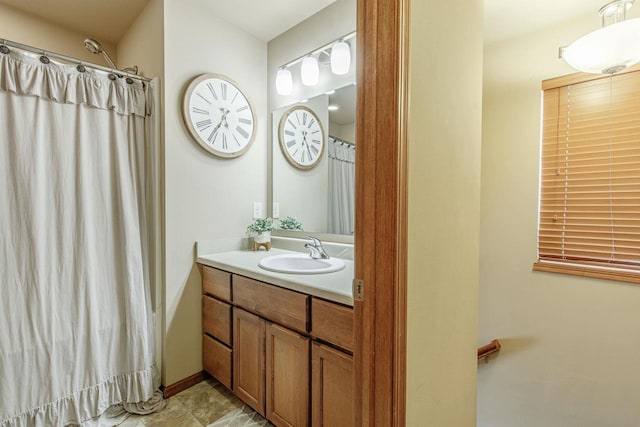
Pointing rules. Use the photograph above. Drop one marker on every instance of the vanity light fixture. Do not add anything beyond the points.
(284, 82)
(310, 71)
(340, 57)
(339, 52)
(610, 49)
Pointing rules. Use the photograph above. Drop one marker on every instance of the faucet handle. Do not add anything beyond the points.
(316, 242)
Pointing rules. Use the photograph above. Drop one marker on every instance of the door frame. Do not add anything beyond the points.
(381, 213)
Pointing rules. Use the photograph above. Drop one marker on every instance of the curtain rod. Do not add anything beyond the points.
(5, 42)
(342, 141)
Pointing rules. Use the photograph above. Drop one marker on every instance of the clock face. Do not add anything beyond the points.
(301, 137)
(219, 116)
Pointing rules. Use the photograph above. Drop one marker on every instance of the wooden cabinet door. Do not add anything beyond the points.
(287, 377)
(332, 387)
(248, 359)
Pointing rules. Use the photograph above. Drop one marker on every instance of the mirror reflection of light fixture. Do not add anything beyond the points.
(340, 57)
(310, 71)
(333, 107)
(610, 49)
(284, 82)
(337, 53)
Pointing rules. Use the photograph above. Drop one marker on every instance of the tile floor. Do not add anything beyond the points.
(197, 406)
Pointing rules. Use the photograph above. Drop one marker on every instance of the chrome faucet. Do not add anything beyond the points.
(316, 251)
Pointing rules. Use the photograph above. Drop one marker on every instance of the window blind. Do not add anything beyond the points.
(589, 219)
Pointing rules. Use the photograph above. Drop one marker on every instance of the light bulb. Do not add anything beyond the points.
(340, 57)
(310, 71)
(284, 82)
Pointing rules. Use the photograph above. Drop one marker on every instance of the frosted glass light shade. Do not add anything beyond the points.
(340, 57)
(608, 50)
(284, 82)
(310, 71)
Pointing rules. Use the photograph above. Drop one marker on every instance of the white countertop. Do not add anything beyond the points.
(331, 286)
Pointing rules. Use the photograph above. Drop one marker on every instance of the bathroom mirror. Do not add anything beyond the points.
(322, 198)
(305, 193)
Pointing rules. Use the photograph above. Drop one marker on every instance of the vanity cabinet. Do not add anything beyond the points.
(287, 376)
(249, 359)
(332, 387)
(286, 354)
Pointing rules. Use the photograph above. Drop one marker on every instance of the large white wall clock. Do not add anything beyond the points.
(301, 137)
(219, 116)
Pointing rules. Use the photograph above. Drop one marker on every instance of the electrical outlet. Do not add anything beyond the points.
(276, 210)
(257, 210)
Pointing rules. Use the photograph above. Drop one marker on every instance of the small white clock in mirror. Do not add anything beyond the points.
(301, 137)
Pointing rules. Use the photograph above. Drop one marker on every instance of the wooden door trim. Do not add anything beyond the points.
(381, 213)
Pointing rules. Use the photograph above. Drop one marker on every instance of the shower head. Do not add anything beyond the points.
(94, 46)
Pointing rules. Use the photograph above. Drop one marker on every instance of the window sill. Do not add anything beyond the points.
(597, 272)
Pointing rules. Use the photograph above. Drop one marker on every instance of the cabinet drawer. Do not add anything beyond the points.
(332, 323)
(216, 360)
(216, 319)
(216, 283)
(279, 305)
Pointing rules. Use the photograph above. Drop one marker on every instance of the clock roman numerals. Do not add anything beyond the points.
(200, 111)
(203, 124)
(242, 132)
(212, 90)
(203, 98)
(223, 89)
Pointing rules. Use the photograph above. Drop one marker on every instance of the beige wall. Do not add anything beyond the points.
(143, 43)
(205, 197)
(570, 345)
(444, 203)
(23, 28)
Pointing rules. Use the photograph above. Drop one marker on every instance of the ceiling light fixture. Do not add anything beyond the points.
(610, 49)
(310, 71)
(284, 82)
(340, 57)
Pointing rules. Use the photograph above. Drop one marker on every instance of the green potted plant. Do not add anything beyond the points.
(261, 229)
(290, 223)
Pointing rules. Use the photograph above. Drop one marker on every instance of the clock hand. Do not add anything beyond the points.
(308, 150)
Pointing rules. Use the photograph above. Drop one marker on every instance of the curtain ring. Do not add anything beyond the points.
(4, 49)
(43, 58)
(81, 68)
(129, 80)
(112, 77)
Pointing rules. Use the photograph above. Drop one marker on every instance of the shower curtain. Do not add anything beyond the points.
(341, 194)
(76, 334)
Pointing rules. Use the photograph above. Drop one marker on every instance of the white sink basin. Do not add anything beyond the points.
(300, 264)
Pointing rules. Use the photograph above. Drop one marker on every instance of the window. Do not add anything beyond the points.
(589, 219)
